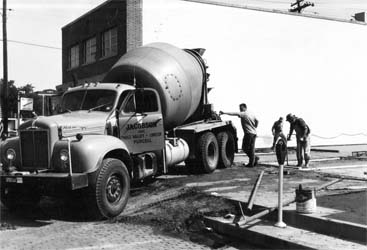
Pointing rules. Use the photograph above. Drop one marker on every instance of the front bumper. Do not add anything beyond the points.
(48, 183)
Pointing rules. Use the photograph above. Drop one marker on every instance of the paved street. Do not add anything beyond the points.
(90, 235)
(53, 226)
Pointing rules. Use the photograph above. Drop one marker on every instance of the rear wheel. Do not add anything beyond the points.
(112, 188)
(226, 149)
(208, 152)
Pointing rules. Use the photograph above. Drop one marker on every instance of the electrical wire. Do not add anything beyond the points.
(269, 1)
(324, 137)
(334, 137)
(33, 44)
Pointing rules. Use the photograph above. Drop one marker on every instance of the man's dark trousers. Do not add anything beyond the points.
(248, 146)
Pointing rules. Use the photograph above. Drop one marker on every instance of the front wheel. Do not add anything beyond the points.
(209, 152)
(112, 188)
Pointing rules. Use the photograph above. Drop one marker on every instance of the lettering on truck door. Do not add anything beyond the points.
(141, 123)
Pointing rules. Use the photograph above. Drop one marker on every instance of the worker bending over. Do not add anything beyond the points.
(303, 138)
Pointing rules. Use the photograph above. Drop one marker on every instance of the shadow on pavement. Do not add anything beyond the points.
(352, 204)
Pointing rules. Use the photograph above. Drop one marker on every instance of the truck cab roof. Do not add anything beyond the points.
(118, 87)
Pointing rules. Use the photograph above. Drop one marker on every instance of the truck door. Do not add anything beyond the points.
(141, 121)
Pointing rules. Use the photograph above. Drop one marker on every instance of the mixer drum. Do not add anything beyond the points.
(176, 74)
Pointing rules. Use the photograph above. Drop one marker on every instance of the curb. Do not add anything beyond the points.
(337, 228)
(252, 237)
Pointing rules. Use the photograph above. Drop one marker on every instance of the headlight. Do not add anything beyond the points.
(10, 154)
(64, 155)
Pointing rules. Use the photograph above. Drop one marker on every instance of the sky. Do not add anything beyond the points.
(327, 54)
(39, 22)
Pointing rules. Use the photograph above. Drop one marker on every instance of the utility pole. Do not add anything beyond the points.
(300, 6)
(4, 98)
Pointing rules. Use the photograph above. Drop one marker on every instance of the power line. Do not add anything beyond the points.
(33, 44)
(269, 1)
(342, 134)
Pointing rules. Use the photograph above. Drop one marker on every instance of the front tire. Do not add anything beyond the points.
(226, 149)
(209, 152)
(112, 188)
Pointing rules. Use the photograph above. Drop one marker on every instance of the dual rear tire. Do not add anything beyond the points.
(227, 149)
(215, 151)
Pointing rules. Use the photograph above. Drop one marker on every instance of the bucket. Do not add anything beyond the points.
(305, 200)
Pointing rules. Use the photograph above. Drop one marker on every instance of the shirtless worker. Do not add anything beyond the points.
(249, 124)
(277, 130)
(303, 138)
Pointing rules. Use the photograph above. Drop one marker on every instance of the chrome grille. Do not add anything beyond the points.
(35, 148)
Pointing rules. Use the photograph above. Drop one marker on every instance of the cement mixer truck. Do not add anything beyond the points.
(150, 112)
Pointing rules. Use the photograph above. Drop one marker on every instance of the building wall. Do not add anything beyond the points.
(125, 15)
(276, 63)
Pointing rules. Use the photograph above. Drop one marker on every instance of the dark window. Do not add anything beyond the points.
(142, 101)
(146, 101)
(122, 98)
(129, 105)
(93, 100)
(90, 50)
(74, 57)
(109, 43)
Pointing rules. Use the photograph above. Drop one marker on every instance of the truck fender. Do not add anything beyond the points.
(10, 143)
(88, 153)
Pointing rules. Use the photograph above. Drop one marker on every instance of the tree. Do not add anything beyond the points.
(27, 90)
(12, 98)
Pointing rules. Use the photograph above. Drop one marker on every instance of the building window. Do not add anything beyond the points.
(90, 50)
(109, 43)
(74, 57)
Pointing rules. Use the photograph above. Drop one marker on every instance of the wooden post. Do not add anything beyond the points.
(4, 98)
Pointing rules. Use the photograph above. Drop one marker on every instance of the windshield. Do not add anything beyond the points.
(91, 100)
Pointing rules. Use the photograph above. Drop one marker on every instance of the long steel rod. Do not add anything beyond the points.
(254, 191)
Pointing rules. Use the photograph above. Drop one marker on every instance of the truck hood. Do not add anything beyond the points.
(70, 124)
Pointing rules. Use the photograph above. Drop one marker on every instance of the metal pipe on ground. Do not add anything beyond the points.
(262, 213)
(325, 150)
(344, 177)
(328, 184)
(251, 200)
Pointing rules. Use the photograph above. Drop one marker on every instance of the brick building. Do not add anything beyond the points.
(93, 43)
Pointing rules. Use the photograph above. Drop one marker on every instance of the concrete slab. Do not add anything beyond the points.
(263, 233)
(319, 222)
